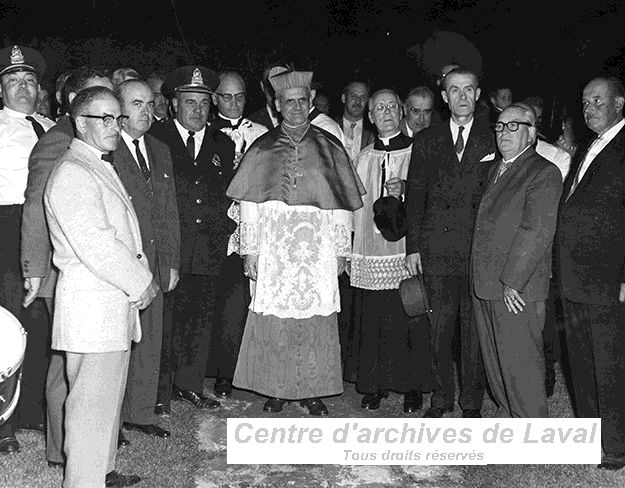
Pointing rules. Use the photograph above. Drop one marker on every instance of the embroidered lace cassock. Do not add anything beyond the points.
(378, 264)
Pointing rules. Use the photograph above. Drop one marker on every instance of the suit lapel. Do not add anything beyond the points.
(130, 165)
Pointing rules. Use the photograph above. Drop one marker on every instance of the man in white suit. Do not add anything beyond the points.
(103, 282)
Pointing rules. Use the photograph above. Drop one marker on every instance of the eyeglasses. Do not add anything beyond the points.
(382, 107)
(416, 110)
(512, 126)
(229, 97)
(108, 120)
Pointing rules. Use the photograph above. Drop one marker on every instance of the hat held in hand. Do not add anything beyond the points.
(413, 296)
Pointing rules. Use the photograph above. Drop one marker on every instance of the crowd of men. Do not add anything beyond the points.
(158, 243)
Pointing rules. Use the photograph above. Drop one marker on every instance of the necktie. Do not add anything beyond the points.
(39, 130)
(459, 141)
(108, 157)
(503, 166)
(590, 154)
(191, 144)
(142, 164)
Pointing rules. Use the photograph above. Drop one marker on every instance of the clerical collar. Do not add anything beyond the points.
(393, 143)
(233, 122)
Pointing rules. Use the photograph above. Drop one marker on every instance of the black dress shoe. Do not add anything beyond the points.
(413, 401)
(121, 440)
(371, 401)
(471, 413)
(148, 429)
(56, 464)
(436, 412)
(162, 409)
(198, 401)
(37, 427)
(315, 406)
(274, 405)
(9, 445)
(611, 462)
(115, 479)
(223, 387)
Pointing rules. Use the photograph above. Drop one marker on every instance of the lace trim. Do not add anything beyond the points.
(248, 238)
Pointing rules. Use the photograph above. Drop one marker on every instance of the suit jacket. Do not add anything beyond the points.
(155, 205)
(262, 117)
(514, 229)
(202, 203)
(97, 248)
(443, 194)
(36, 249)
(590, 238)
(368, 132)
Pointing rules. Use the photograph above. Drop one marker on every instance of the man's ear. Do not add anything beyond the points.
(343, 98)
(214, 98)
(277, 103)
(492, 100)
(174, 103)
(71, 96)
(478, 92)
(80, 124)
(444, 95)
(620, 101)
(313, 94)
(371, 117)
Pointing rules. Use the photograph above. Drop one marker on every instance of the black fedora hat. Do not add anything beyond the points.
(413, 296)
(389, 215)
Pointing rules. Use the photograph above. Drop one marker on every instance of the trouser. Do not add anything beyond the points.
(168, 356)
(512, 349)
(595, 337)
(92, 411)
(450, 301)
(143, 371)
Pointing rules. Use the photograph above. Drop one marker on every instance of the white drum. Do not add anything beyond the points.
(12, 348)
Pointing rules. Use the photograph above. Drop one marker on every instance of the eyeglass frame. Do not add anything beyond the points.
(381, 107)
(231, 97)
(505, 125)
(110, 118)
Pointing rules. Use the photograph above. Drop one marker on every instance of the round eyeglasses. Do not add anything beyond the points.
(383, 107)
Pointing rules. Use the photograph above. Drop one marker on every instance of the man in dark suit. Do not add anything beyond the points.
(448, 170)
(145, 168)
(511, 265)
(590, 259)
(40, 274)
(357, 130)
(418, 111)
(203, 167)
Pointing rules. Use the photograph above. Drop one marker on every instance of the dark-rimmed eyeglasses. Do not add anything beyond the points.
(229, 97)
(512, 126)
(108, 120)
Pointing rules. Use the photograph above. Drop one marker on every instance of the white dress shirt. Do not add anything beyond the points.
(184, 133)
(17, 139)
(465, 134)
(595, 148)
(133, 149)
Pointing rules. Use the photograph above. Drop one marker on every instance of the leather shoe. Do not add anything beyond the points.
(9, 445)
(315, 406)
(274, 405)
(56, 464)
(471, 413)
(148, 429)
(413, 401)
(611, 462)
(115, 479)
(436, 412)
(198, 401)
(37, 427)
(371, 401)
(121, 440)
(162, 409)
(223, 387)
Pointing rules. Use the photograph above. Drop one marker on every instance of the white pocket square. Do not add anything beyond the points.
(488, 157)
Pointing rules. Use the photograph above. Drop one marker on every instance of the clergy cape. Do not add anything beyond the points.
(316, 172)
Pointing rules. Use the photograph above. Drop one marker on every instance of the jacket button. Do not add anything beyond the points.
(139, 256)
(446, 229)
(197, 182)
(199, 200)
(195, 163)
(198, 221)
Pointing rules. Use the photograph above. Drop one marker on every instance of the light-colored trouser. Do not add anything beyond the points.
(92, 410)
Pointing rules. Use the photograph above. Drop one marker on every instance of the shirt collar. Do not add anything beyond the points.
(467, 127)
(608, 135)
(515, 157)
(185, 132)
(129, 139)
(386, 140)
(15, 114)
(94, 150)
